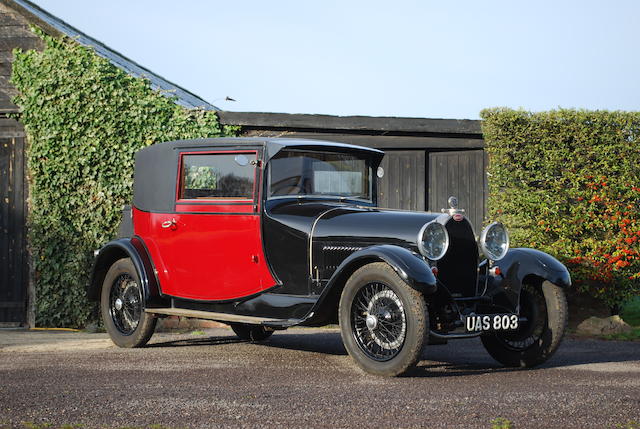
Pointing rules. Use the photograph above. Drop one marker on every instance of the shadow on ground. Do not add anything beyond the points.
(200, 341)
(458, 358)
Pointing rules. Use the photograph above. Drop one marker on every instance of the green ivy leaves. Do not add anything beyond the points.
(85, 119)
(568, 182)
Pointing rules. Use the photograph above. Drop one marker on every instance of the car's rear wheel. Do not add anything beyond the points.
(383, 321)
(251, 332)
(544, 305)
(122, 306)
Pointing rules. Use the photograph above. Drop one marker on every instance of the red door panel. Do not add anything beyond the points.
(206, 256)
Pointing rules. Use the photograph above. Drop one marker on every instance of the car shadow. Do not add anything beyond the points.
(329, 343)
(432, 365)
(468, 356)
(200, 341)
(458, 358)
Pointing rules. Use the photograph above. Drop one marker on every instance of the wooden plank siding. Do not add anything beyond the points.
(13, 258)
(403, 184)
(459, 173)
(14, 270)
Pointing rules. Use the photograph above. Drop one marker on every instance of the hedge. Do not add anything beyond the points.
(568, 182)
(85, 119)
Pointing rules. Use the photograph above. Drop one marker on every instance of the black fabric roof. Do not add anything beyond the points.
(57, 27)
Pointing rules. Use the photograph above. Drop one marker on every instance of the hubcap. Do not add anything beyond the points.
(372, 322)
(118, 304)
(378, 321)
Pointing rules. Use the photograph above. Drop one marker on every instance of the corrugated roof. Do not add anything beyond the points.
(52, 24)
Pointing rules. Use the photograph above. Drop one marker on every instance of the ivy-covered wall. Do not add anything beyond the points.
(568, 182)
(85, 119)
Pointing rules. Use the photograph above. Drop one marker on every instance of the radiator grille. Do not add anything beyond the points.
(458, 269)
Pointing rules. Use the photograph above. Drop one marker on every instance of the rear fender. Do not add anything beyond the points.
(132, 248)
(515, 267)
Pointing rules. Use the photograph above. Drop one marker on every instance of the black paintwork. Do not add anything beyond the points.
(126, 223)
(516, 266)
(269, 304)
(409, 265)
(132, 248)
(313, 245)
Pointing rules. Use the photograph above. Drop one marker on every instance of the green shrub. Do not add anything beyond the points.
(85, 119)
(631, 312)
(568, 182)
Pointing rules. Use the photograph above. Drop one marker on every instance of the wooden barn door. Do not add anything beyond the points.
(13, 284)
(458, 173)
(403, 184)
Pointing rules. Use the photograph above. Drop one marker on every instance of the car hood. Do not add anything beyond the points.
(356, 224)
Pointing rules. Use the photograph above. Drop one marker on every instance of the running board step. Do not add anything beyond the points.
(222, 317)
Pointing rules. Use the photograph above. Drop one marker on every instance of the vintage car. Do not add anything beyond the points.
(264, 234)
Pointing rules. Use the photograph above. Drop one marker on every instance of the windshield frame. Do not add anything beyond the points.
(372, 188)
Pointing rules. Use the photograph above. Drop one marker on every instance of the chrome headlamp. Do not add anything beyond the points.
(433, 240)
(494, 241)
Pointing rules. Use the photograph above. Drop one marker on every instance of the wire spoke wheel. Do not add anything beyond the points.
(122, 303)
(125, 304)
(378, 321)
(383, 320)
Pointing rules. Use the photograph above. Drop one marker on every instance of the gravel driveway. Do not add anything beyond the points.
(303, 377)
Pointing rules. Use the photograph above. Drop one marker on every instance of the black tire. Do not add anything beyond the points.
(545, 306)
(122, 306)
(383, 322)
(251, 332)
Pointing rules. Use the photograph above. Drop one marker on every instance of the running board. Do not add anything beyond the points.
(222, 317)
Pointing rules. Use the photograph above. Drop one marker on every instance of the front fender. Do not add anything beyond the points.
(407, 264)
(132, 248)
(516, 266)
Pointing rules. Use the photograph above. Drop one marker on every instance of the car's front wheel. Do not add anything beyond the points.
(383, 321)
(122, 306)
(544, 306)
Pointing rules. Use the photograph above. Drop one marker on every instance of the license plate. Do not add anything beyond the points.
(491, 322)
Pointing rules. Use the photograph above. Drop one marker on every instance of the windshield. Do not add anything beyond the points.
(298, 172)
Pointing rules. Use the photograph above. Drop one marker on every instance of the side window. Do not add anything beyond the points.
(216, 176)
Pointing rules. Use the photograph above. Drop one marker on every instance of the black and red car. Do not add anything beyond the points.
(264, 234)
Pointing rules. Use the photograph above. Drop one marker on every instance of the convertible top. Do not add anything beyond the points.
(156, 167)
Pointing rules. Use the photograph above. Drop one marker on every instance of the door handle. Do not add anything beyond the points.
(169, 224)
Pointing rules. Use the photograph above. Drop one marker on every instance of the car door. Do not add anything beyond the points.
(210, 248)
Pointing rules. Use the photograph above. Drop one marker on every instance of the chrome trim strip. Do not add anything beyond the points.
(342, 248)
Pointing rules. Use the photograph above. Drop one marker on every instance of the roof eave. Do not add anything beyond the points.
(56, 27)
